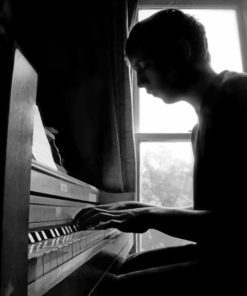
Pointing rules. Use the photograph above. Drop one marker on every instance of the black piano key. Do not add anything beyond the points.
(30, 238)
(63, 230)
(37, 234)
(60, 231)
(71, 230)
(52, 233)
(56, 232)
(35, 237)
(43, 235)
(67, 229)
(48, 233)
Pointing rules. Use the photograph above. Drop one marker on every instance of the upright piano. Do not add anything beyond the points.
(42, 252)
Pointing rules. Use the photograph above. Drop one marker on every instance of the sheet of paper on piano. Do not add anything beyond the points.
(41, 149)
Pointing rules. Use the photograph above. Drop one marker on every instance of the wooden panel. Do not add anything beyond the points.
(63, 187)
(17, 178)
(46, 200)
(47, 211)
(51, 213)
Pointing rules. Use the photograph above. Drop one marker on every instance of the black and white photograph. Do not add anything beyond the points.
(123, 151)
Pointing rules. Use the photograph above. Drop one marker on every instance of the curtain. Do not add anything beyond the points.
(84, 85)
(119, 171)
(96, 136)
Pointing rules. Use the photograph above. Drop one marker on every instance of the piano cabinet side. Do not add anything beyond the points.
(15, 172)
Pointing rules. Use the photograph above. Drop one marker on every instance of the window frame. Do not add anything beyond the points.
(139, 137)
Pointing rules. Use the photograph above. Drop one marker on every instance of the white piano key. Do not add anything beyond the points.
(66, 255)
(45, 243)
(70, 229)
(67, 238)
(38, 246)
(74, 249)
(83, 242)
(47, 262)
(53, 258)
(78, 246)
(30, 249)
(64, 239)
(35, 268)
(53, 242)
(70, 254)
(60, 255)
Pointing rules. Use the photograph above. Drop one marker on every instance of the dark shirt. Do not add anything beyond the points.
(220, 148)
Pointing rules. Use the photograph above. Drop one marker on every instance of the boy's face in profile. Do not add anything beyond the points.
(156, 83)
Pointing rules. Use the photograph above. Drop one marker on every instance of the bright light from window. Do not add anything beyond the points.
(158, 117)
(224, 47)
(165, 180)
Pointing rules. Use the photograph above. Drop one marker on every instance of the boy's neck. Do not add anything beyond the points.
(195, 94)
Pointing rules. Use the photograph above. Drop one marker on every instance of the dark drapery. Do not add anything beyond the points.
(84, 84)
(119, 167)
(103, 123)
(101, 112)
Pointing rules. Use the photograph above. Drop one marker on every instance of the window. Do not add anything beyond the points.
(162, 132)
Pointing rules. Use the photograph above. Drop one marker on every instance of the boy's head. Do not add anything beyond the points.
(160, 37)
(174, 42)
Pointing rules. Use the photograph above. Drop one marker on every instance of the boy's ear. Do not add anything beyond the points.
(184, 50)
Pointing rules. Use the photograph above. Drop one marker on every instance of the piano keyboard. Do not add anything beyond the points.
(56, 248)
(37, 236)
(50, 248)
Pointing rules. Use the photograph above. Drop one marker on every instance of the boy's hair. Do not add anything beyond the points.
(158, 36)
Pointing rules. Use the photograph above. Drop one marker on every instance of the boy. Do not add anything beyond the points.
(170, 55)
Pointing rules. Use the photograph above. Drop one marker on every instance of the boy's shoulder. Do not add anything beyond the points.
(234, 84)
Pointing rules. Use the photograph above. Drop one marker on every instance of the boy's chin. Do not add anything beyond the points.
(170, 98)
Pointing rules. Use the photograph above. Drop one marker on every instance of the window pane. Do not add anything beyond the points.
(166, 173)
(158, 117)
(224, 47)
(165, 180)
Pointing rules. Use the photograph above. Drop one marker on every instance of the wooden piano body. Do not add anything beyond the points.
(41, 251)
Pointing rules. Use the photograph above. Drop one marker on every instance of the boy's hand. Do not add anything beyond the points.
(131, 220)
